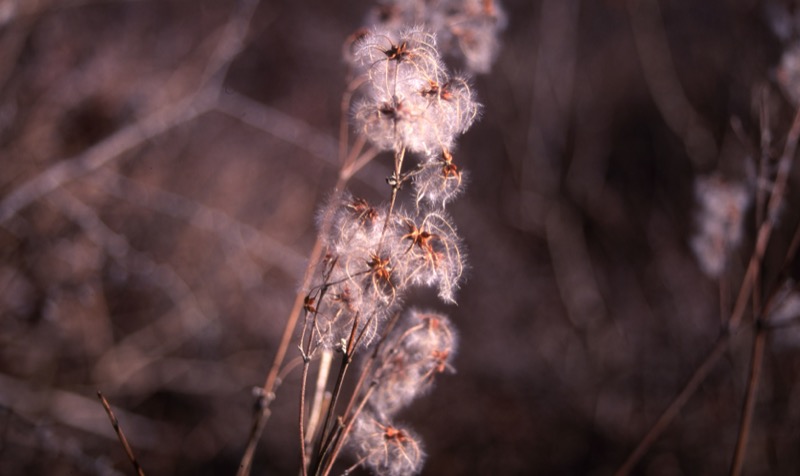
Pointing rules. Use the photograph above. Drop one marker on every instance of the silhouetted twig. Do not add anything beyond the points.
(121, 435)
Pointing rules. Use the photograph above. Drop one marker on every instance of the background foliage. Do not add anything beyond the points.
(162, 274)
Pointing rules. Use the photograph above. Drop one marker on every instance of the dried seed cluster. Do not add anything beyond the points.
(422, 349)
(410, 101)
(409, 104)
(467, 29)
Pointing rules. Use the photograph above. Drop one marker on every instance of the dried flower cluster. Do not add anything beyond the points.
(387, 450)
(467, 29)
(373, 258)
(409, 104)
(422, 350)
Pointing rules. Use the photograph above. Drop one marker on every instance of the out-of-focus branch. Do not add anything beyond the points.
(81, 412)
(226, 228)
(650, 38)
(190, 314)
(121, 435)
(130, 137)
(776, 201)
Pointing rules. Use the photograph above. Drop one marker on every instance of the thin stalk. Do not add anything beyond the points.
(349, 417)
(306, 354)
(328, 429)
(743, 298)
(319, 395)
(766, 140)
(304, 381)
(371, 361)
(756, 363)
(765, 231)
(674, 408)
(263, 413)
(118, 430)
(345, 430)
(395, 183)
(339, 432)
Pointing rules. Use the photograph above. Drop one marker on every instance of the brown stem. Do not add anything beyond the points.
(677, 403)
(304, 381)
(756, 362)
(328, 429)
(262, 415)
(349, 417)
(350, 164)
(398, 167)
(765, 231)
(371, 361)
(124, 441)
(319, 395)
(743, 298)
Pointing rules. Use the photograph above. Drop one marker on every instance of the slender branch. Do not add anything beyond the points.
(674, 408)
(349, 414)
(763, 162)
(203, 99)
(319, 395)
(658, 67)
(268, 389)
(124, 441)
(328, 428)
(395, 182)
(124, 140)
(743, 298)
(304, 381)
(347, 357)
(765, 232)
(756, 363)
(349, 166)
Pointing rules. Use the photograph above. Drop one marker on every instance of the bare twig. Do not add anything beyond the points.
(130, 137)
(124, 140)
(268, 389)
(354, 409)
(261, 417)
(78, 411)
(319, 395)
(350, 165)
(765, 231)
(745, 292)
(121, 435)
(697, 378)
(176, 288)
(225, 227)
(756, 362)
(650, 39)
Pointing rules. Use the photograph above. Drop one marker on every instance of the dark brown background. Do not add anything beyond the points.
(163, 278)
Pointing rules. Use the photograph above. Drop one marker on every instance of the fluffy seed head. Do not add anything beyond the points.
(409, 100)
(468, 30)
(424, 348)
(722, 207)
(438, 180)
(386, 449)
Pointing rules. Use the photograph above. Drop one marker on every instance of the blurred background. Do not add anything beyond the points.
(159, 181)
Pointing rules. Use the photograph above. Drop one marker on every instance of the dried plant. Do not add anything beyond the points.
(368, 256)
(169, 181)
